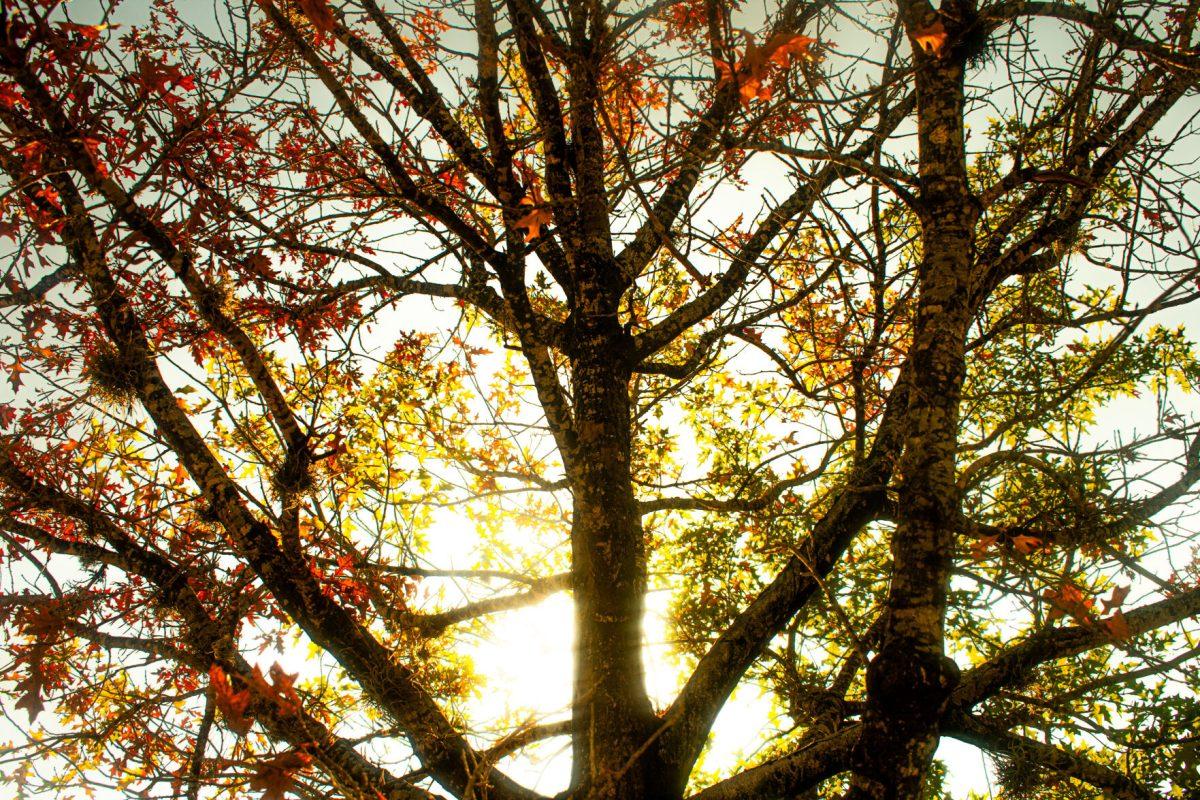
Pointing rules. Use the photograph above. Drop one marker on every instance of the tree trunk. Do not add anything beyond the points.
(910, 679)
(612, 710)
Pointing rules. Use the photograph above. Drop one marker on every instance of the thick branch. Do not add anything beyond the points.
(789, 775)
(1065, 763)
(1014, 665)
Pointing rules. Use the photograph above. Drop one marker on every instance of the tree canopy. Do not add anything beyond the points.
(846, 337)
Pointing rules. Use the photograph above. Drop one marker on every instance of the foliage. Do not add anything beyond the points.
(849, 339)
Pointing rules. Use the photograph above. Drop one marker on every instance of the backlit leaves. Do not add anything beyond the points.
(931, 39)
(233, 704)
(753, 71)
(276, 776)
(318, 13)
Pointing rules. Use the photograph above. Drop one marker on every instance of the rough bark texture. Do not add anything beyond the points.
(910, 679)
(611, 705)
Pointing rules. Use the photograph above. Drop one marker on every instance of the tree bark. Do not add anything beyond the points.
(612, 710)
(910, 679)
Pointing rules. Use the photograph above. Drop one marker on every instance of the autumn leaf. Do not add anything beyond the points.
(783, 48)
(1116, 626)
(278, 690)
(93, 150)
(981, 546)
(725, 72)
(44, 625)
(931, 39)
(31, 694)
(161, 77)
(233, 704)
(90, 33)
(533, 221)
(15, 370)
(32, 153)
(757, 64)
(1026, 544)
(276, 776)
(1114, 600)
(1068, 600)
(318, 13)
(10, 97)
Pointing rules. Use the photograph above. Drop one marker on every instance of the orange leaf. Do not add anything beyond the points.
(233, 704)
(1116, 626)
(982, 545)
(277, 776)
(724, 72)
(754, 68)
(318, 14)
(1026, 544)
(1114, 601)
(14, 374)
(752, 88)
(534, 221)
(931, 39)
(1068, 599)
(782, 48)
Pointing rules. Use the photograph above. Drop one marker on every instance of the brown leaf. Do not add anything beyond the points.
(1114, 601)
(279, 690)
(1026, 544)
(1068, 599)
(318, 14)
(981, 546)
(31, 700)
(233, 704)
(1116, 626)
(276, 776)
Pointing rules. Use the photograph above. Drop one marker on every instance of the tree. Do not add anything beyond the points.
(854, 327)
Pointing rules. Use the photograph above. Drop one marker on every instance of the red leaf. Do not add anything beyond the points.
(10, 97)
(318, 14)
(233, 704)
(32, 152)
(277, 776)
(90, 33)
